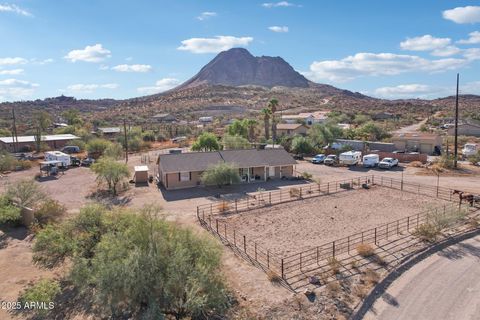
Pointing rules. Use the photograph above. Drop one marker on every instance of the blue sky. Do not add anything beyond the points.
(122, 49)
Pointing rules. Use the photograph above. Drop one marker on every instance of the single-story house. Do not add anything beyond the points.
(291, 129)
(109, 132)
(26, 143)
(308, 118)
(427, 143)
(164, 117)
(184, 170)
(468, 128)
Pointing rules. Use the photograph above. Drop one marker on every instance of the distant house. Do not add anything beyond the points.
(427, 143)
(363, 146)
(467, 128)
(291, 129)
(205, 120)
(309, 118)
(183, 170)
(164, 118)
(26, 143)
(384, 116)
(109, 132)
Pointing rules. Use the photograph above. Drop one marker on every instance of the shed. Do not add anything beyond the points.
(141, 174)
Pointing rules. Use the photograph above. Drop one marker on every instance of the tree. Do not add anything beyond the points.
(114, 151)
(220, 174)
(110, 171)
(206, 142)
(302, 145)
(251, 124)
(320, 135)
(266, 112)
(238, 128)
(72, 116)
(41, 121)
(272, 105)
(371, 131)
(8, 211)
(96, 147)
(25, 193)
(235, 142)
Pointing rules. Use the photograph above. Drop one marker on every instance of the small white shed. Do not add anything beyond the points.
(141, 174)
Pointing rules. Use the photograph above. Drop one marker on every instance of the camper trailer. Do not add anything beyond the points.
(370, 160)
(58, 156)
(350, 158)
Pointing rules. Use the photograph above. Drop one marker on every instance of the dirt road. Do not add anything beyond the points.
(443, 286)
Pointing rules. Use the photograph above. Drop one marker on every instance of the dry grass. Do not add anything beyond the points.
(360, 291)
(354, 264)
(416, 164)
(473, 223)
(371, 277)
(334, 265)
(273, 277)
(294, 192)
(223, 207)
(333, 288)
(427, 232)
(365, 250)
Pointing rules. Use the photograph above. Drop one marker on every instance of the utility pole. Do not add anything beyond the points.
(456, 126)
(126, 139)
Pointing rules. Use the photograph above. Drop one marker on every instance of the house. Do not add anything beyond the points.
(428, 143)
(109, 132)
(28, 143)
(205, 120)
(164, 118)
(309, 118)
(467, 128)
(363, 146)
(291, 129)
(184, 170)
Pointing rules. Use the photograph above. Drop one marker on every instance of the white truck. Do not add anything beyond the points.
(469, 149)
(370, 160)
(388, 163)
(350, 158)
(58, 156)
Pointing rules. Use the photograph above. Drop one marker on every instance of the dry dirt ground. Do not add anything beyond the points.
(75, 187)
(296, 226)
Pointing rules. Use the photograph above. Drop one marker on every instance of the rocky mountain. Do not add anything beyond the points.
(238, 67)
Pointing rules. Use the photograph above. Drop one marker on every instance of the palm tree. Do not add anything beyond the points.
(251, 124)
(272, 105)
(266, 121)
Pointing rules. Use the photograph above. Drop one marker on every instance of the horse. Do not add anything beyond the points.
(470, 198)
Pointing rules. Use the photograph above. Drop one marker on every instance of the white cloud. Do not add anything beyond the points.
(14, 9)
(95, 53)
(14, 89)
(446, 51)
(405, 90)
(278, 28)
(132, 68)
(471, 87)
(424, 43)
(468, 14)
(89, 88)
(378, 64)
(206, 15)
(11, 72)
(472, 54)
(213, 45)
(473, 39)
(12, 61)
(160, 86)
(279, 4)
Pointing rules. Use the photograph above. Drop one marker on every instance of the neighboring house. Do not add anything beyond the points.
(184, 170)
(109, 133)
(384, 116)
(164, 118)
(25, 143)
(427, 143)
(205, 120)
(309, 118)
(291, 129)
(468, 128)
(363, 146)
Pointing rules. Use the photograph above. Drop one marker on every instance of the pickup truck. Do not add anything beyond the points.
(388, 163)
(330, 160)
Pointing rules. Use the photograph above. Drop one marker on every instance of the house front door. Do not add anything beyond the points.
(271, 171)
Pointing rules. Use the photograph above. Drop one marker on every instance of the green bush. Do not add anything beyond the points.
(41, 293)
(114, 151)
(7, 161)
(302, 145)
(220, 174)
(49, 211)
(110, 171)
(97, 146)
(9, 213)
(26, 193)
(78, 143)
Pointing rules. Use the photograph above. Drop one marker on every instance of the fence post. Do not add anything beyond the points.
(270, 197)
(408, 224)
(283, 276)
(234, 239)
(317, 254)
(300, 261)
(328, 188)
(348, 244)
(225, 231)
(381, 180)
(362, 236)
(373, 179)
(216, 225)
(418, 218)
(268, 259)
(333, 248)
(387, 231)
(236, 208)
(210, 221)
(245, 244)
(398, 227)
(375, 240)
(255, 251)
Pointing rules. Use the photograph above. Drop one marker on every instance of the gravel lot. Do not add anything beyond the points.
(292, 227)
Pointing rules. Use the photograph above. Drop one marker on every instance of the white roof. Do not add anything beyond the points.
(57, 153)
(141, 168)
(110, 129)
(52, 137)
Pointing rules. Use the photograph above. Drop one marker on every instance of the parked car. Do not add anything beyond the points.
(388, 163)
(370, 160)
(87, 162)
(318, 159)
(330, 160)
(70, 149)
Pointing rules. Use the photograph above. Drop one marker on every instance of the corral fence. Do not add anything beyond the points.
(212, 216)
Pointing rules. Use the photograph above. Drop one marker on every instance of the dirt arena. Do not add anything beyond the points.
(299, 225)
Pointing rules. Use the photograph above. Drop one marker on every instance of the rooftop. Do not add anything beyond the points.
(109, 130)
(52, 137)
(289, 126)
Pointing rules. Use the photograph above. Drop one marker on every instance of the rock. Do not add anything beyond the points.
(314, 280)
(308, 292)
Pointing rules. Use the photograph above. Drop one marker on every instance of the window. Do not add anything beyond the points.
(184, 176)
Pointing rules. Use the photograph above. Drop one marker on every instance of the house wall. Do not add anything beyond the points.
(421, 145)
(52, 145)
(466, 130)
(171, 180)
(301, 130)
(283, 171)
(260, 171)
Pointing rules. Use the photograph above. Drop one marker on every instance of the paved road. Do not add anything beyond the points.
(443, 286)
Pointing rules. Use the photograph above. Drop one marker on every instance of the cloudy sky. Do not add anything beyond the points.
(122, 49)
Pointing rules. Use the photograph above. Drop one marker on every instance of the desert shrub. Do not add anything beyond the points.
(346, 185)
(148, 135)
(235, 142)
(49, 211)
(77, 143)
(42, 292)
(360, 291)
(273, 277)
(114, 151)
(138, 263)
(7, 161)
(135, 144)
(97, 146)
(295, 192)
(354, 264)
(333, 288)
(9, 213)
(371, 276)
(161, 137)
(334, 265)
(223, 207)
(445, 161)
(206, 142)
(365, 250)
(447, 218)
(473, 222)
(220, 174)
(110, 171)
(427, 232)
(25, 193)
(302, 145)
(475, 159)
(306, 175)
(416, 164)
